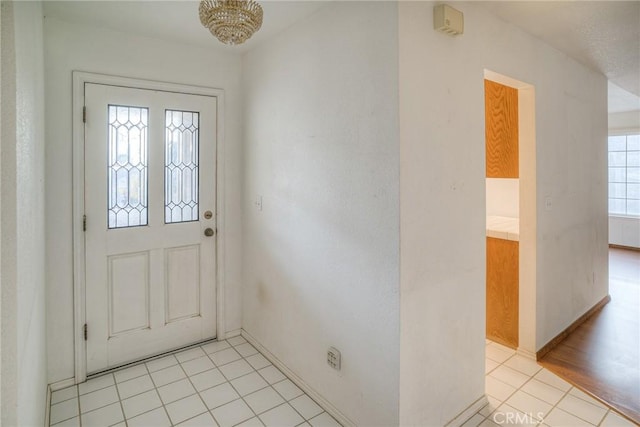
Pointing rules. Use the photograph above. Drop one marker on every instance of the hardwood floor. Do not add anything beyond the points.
(602, 356)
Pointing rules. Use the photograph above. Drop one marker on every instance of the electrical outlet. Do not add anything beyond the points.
(334, 358)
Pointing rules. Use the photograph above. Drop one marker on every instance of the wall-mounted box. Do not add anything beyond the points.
(448, 20)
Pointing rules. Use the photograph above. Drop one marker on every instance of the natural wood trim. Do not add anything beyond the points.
(572, 327)
(501, 130)
(629, 248)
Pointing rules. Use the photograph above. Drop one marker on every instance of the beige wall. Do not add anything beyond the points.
(442, 199)
(23, 365)
(321, 256)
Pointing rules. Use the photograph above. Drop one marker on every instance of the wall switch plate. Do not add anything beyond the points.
(334, 358)
(258, 203)
(548, 203)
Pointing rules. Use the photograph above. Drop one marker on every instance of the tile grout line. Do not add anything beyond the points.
(593, 403)
(241, 397)
(520, 389)
(79, 413)
(216, 367)
(556, 405)
(576, 415)
(206, 407)
(66, 400)
(529, 380)
(178, 363)
(158, 393)
(124, 415)
(269, 385)
(147, 372)
(606, 414)
(103, 406)
(66, 419)
(280, 394)
(504, 402)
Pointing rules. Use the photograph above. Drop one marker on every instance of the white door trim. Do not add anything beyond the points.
(79, 283)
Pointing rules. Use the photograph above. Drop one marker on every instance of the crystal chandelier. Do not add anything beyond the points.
(231, 21)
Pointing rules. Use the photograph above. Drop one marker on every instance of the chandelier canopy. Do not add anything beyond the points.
(231, 21)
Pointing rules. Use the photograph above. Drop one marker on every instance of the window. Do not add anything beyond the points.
(181, 166)
(624, 175)
(127, 168)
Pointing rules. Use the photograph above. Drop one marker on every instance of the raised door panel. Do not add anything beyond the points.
(128, 293)
(182, 283)
(148, 291)
(501, 130)
(502, 291)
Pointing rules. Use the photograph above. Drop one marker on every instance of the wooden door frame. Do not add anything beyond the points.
(80, 78)
(528, 212)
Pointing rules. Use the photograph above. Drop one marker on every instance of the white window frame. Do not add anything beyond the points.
(618, 132)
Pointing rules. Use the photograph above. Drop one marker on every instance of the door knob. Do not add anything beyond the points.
(209, 232)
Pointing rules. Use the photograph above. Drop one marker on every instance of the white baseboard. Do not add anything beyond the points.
(464, 416)
(324, 403)
(62, 384)
(231, 334)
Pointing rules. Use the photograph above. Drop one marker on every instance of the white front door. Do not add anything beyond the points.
(150, 197)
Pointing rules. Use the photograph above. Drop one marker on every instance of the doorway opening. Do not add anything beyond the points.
(511, 212)
(149, 225)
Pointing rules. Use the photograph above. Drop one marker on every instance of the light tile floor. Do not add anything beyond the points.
(523, 393)
(226, 383)
(229, 383)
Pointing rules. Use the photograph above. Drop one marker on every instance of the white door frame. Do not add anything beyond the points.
(79, 278)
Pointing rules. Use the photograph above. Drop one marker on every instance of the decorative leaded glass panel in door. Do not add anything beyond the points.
(181, 166)
(127, 166)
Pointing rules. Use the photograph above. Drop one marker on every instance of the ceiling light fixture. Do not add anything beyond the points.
(231, 21)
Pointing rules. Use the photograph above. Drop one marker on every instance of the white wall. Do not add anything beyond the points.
(628, 120)
(503, 197)
(72, 47)
(3, 25)
(443, 208)
(321, 257)
(624, 231)
(22, 189)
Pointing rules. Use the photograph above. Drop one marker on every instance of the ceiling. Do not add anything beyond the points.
(621, 100)
(604, 35)
(173, 20)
